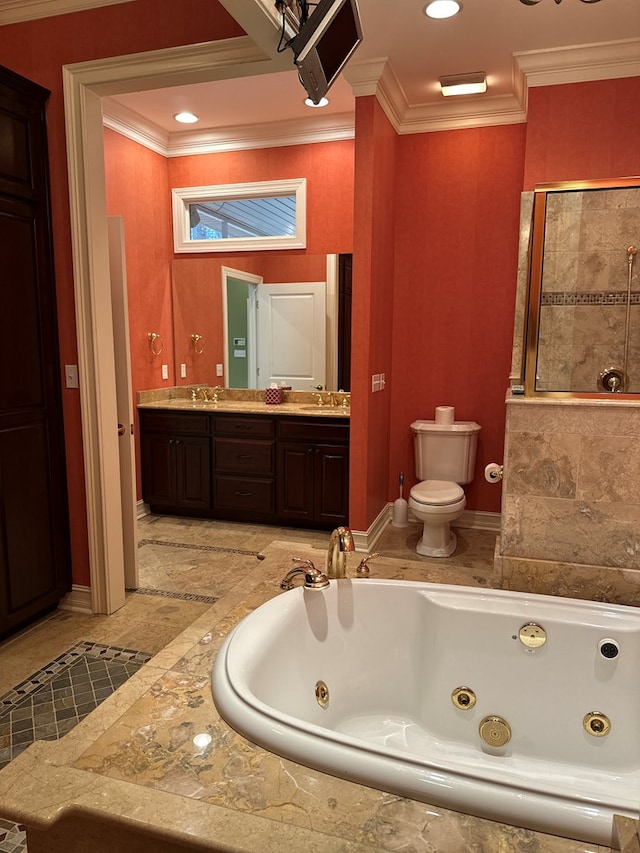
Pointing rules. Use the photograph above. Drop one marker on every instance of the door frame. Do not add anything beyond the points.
(253, 281)
(85, 84)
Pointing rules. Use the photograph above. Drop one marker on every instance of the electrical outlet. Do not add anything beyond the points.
(165, 371)
(183, 371)
(219, 370)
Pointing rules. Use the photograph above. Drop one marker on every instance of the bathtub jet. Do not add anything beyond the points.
(509, 706)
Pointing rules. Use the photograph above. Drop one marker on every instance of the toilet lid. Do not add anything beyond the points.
(436, 492)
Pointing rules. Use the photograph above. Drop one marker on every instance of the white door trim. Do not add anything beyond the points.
(84, 85)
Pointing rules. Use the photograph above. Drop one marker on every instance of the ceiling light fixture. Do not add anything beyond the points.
(443, 8)
(323, 102)
(557, 2)
(464, 84)
(186, 118)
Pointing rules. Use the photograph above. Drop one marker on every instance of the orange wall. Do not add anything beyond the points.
(328, 168)
(457, 223)
(583, 131)
(38, 50)
(373, 306)
(136, 183)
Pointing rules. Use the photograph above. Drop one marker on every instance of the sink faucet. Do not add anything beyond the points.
(313, 578)
(341, 541)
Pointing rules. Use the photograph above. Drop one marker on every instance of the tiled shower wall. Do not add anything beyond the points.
(571, 498)
(585, 282)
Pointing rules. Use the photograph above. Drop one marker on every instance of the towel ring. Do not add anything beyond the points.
(155, 342)
(198, 344)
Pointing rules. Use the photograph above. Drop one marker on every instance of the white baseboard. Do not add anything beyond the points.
(365, 540)
(78, 600)
(143, 509)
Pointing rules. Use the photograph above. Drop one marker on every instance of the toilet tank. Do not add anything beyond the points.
(445, 451)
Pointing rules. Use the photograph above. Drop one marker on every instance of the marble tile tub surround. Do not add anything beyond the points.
(571, 487)
(138, 782)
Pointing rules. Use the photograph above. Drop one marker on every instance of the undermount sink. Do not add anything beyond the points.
(323, 410)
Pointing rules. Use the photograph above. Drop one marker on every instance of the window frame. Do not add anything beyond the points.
(182, 197)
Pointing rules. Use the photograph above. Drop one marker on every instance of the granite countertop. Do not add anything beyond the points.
(132, 770)
(297, 403)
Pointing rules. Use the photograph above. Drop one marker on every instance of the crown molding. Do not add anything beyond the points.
(269, 135)
(580, 63)
(14, 11)
(130, 124)
(465, 113)
(126, 122)
(375, 77)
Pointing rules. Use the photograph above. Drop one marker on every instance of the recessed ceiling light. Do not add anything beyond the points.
(186, 118)
(442, 8)
(464, 84)
(323, 102)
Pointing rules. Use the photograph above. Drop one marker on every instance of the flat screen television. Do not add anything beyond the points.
(326, 41)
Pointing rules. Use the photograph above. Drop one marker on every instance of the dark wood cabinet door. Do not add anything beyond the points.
(35, 566)
(158, 469)
(193, 472)
(295, 481)
(331, 484)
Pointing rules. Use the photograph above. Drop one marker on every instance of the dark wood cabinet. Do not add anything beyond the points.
(35, 565)
(176, 462)
(313, 472)
(273, 470)
(244, 467)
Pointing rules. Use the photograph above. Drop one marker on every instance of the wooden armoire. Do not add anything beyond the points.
(35, 569)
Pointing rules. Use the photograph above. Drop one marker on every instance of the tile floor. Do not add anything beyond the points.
(56, 671)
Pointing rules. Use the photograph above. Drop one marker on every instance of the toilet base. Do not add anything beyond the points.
(437, 541)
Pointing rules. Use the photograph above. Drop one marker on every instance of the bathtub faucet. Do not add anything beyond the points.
(313, 578)
(340, 543)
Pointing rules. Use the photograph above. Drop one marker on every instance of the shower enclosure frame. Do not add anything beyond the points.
(535, 273)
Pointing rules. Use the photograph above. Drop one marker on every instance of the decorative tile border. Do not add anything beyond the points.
(63, 661)
(53, 700)
(182, 596)
(602, 297)
(190, 546)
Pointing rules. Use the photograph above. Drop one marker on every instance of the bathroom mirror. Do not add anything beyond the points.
(584, 289)
(210, 347)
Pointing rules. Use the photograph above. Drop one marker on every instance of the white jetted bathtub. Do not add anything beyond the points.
(520, 708)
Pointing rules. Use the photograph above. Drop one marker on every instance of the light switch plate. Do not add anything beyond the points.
(71, 375)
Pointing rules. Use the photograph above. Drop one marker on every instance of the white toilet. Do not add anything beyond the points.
(445, 453)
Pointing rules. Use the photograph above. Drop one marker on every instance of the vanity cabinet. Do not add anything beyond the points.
(312, 472)
(267, 469)
(244, 455)
(176, 461)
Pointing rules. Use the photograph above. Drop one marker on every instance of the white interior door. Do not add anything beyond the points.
(126, 442)
(292, 323)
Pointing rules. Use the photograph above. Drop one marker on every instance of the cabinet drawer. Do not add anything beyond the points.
(257, 427)
(320, 432)
(198, 422)
(238, 456)
(244, 493)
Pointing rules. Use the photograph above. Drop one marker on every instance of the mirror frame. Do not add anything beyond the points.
(536, 263)
(182, 197)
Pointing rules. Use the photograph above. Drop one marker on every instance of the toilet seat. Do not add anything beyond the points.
(436, 493)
